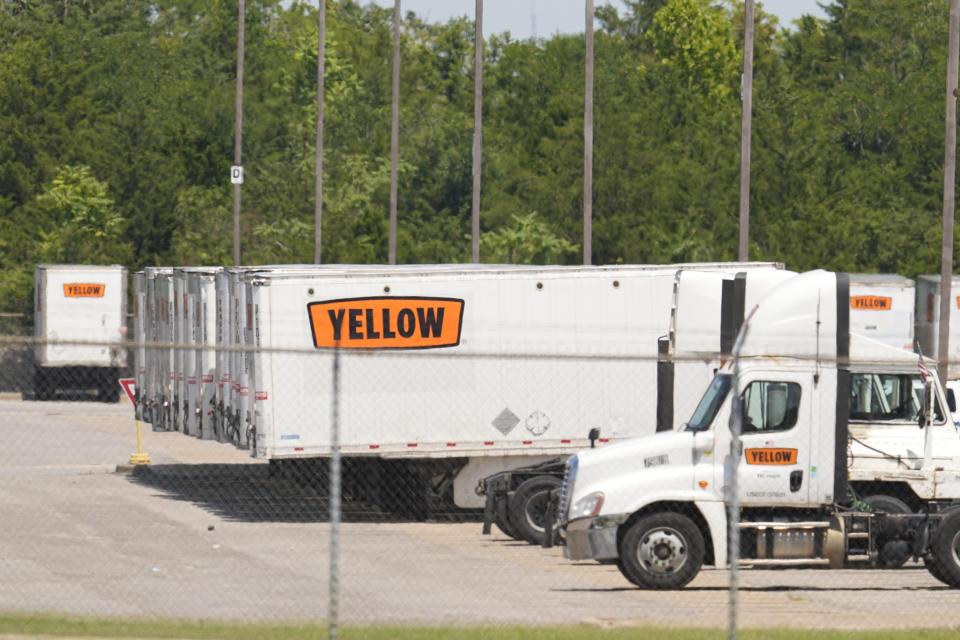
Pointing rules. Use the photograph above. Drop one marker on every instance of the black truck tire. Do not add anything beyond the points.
(933, 568)
(528, 508)
(944, 564)
(502, 520)
(662, 550)
(893, 554)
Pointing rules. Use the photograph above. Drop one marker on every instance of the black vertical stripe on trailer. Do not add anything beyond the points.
(732, 301)
(843, 389)
(840, 479)
(843, 318)
(664, 385)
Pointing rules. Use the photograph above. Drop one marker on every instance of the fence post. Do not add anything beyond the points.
(733, 498)
(335, 496)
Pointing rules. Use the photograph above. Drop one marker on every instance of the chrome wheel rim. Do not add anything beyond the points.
(662, 551)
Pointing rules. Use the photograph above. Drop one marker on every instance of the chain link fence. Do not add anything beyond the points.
(521, 487)
(506, 446)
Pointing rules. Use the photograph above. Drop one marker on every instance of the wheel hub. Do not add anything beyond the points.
(662, 551)
(536, 510)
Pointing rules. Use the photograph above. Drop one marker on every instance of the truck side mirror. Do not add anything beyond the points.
(951, 400)
(592, 436)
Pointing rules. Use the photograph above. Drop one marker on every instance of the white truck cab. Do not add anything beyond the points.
(830, 463)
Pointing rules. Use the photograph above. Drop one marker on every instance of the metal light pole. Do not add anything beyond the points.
(477, 127)
(745, 124)
(237, 172)
(949, 186)
(394, 134)
(588, 140)
(318, 160)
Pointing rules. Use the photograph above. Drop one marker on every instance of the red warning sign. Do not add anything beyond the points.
(129, 387)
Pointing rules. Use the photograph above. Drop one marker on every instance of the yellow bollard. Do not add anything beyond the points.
(139, 457)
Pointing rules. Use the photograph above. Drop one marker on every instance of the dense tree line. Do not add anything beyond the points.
(116, 135)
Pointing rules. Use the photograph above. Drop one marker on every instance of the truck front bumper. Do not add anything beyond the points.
(592, 538)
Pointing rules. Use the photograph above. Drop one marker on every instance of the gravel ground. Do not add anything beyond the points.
(206, 532)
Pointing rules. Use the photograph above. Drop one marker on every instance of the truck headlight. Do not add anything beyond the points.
(587, 506)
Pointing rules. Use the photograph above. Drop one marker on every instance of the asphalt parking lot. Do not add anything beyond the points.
(208, 533)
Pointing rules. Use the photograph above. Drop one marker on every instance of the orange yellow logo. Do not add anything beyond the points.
(386, 323)
(83, 290)
(771, 456)
(871, 303)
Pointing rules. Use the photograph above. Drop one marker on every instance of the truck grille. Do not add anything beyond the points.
(569, 476)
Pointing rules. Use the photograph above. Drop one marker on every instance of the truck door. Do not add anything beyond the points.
(774, 464)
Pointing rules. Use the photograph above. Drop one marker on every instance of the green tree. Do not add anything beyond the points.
(846, 157)
(204, 234)
(534, 135)
(666, 143)
(695, 39)
(855, 140)
(80, 222)
(528, 241)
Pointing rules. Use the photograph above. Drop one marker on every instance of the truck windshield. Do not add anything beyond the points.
(710, 404)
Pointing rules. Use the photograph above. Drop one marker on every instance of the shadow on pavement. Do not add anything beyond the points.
(252, 493)
(265, 493)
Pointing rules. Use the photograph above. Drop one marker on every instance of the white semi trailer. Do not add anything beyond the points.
(79, 318)
(195, 391)
(547, 352)
(882, 308)
(451, 374)
(140, 320)
(815, 425)
(189, 336)
(928, 319)
(156, 398)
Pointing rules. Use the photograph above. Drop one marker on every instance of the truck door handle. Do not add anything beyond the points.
(796, 480)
